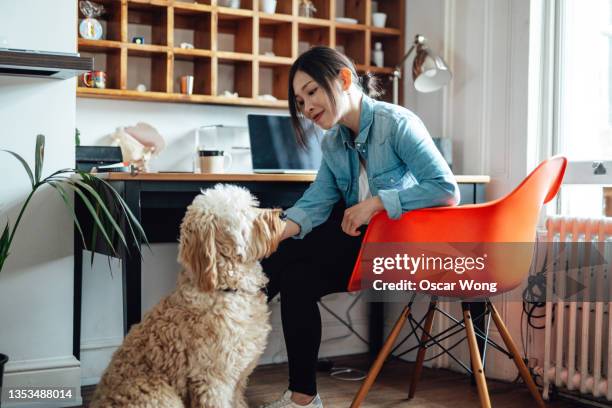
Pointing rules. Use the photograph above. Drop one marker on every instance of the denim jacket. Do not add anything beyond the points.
(403, 166)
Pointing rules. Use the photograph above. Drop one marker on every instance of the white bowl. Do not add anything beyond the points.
(379, 19)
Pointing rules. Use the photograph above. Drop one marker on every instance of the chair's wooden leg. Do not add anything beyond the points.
(520, 364)
(422, 350)
(380, 359)
(481, 382)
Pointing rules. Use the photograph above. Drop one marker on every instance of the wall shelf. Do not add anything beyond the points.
(241, 50)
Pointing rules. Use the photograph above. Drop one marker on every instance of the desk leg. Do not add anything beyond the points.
(131, 265)
(78, 288)
(377, 326)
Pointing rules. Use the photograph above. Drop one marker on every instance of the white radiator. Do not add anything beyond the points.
(578, 335)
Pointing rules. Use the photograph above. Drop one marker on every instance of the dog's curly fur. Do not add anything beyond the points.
(197, 346)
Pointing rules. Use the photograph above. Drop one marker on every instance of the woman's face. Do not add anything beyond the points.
(313, 102)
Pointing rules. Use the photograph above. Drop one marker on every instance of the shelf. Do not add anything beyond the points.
(395, 13)
(272, 18)
(348, 28)
(356, 9)
(230, 46)
(349, 43)
(265, 60)
(98, 45)
(273, 37)
(311, 35)
(235, 76)
(110, 21)
(282, 7)
(149, 20)
(235, 33)
(198, 67)
(190, 54)
(148, 68)
(390, 46)
(234, 56)
(385, 31)
(273, 80)
(193, 27)
(175, 97)
(186, 8)
(323, 9)
(109, 61)
(313, 22)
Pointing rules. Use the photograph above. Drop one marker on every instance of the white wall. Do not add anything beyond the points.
(36, 285)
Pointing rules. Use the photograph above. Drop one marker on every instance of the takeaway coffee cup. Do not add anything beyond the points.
(214, 161)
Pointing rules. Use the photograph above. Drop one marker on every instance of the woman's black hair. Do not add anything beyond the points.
(323, 64)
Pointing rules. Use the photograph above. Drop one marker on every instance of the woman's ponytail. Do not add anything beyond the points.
(370, 84)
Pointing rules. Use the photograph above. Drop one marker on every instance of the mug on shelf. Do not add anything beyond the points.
(379, 19)
(94, 79)
(268, 6)
(213, 161)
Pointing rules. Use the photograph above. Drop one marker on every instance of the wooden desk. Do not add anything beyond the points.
(159, 201)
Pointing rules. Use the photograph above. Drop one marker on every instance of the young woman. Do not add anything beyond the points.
(376, 157)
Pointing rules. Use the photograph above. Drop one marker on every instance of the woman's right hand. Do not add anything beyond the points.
(291, 229)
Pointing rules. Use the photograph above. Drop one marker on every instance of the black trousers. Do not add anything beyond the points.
(303, 271)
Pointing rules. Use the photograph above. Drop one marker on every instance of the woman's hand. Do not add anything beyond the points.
(291, 229)
(360, 214)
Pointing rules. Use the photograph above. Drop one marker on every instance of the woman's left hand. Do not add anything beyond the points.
(359, 214)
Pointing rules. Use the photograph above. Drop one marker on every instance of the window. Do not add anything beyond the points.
(583, 104)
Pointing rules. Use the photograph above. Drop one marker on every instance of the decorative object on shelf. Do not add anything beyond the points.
(269, 54)
(213, 161)
(230, 94)
(229, 3)
(378, 55)
(374, 7)
(141, 88)
(347, 20)
(139, 144)
(138, 40)
(379, 19)
(307, 8)
(429, 71)
(267, 97)
(90, 28)
(94, 79)
(187, 84)
(187, 46)
(268, 6)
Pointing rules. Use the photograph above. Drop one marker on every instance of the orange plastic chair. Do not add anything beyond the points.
(510, 219)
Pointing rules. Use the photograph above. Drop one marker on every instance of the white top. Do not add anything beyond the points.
(364, 187)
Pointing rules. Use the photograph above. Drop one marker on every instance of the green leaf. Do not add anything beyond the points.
(93, 214)
(60, 189)
(109, 216)
(131, 219)
(39, 156)
(4, 240)
(25, 165)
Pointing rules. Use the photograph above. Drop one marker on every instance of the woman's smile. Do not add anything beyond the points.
(316, 117)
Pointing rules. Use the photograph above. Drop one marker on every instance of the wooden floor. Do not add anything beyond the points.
(437, 388)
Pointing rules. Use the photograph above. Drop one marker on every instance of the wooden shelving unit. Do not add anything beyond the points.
(241, 50)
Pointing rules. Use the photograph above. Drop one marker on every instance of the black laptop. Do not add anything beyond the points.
(274, 148)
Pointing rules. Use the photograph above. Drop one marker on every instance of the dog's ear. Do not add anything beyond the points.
(198, 251)
(267, 229)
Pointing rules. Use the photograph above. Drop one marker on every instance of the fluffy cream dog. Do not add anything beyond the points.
(197, 347)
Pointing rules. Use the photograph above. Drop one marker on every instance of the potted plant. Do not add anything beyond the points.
(100, 200)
